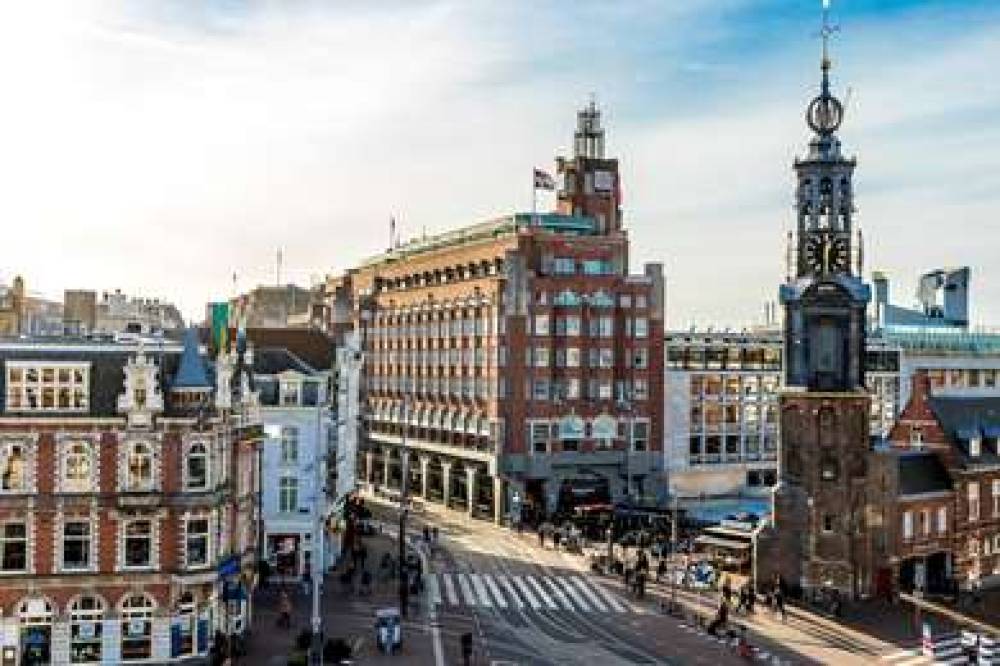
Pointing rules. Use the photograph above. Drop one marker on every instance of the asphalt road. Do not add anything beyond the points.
(531, 606)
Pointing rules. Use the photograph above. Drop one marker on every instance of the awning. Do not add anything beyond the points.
(706, 540)
(728, 532)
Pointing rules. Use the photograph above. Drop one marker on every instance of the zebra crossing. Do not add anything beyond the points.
(538, 593)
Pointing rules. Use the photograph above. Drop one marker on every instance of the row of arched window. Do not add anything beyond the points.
(78, 467)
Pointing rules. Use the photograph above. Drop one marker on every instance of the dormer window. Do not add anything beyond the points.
(916, 438)
(289, 394)
(975, 447)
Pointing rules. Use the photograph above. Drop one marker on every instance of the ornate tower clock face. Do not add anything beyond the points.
(826, 253)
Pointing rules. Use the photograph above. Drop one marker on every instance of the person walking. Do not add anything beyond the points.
(661, 569)
(779, 597)
(721, 618)
(284, 611)
(727, 590)
(541, 536)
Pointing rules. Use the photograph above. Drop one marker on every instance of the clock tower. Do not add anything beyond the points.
(818, 535)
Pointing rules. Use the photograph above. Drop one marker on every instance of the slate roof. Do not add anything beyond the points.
(191, 374)
(107, 376)
(271, 361)
(922, 472)
(963, 418)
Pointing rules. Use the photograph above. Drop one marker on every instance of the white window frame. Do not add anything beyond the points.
(288, 489)
(973, 497)
(134, 453)
(123, 538)
(636, 426)
(907, 525)
(289, 445)
(996, 498)
(26, 540)
(91, 616)
(189, 536)
(539, 432)
(26, 378)
(26, 461)
(942, 520)
(71, 452)
(541, 325)
(198, 450)
(89, 539)
(641, 327)
(131, 617)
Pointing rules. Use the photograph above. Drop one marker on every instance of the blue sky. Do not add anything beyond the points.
(158, 146)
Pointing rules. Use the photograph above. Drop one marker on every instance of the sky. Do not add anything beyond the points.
(160, 146)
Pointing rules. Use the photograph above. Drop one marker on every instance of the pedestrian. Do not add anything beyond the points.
(779, 597)
(661, 569)
(306, 582)
(363, 556)
(555, 539)
(434, 535)
(721, 617)
(727, 590)
(751, 596)
(284, 611)
(427, 535)
(541, 536)
(640, 585)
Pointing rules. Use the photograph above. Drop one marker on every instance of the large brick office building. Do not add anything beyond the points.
(518, 356)
(128, 477)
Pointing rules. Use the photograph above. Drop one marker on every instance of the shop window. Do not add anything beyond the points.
(35, 617)
(86, 616)
(137, 628)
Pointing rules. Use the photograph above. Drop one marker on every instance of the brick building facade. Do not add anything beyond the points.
(127, 479)
(518, 357)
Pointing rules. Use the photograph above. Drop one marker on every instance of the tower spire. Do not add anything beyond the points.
(825, 112)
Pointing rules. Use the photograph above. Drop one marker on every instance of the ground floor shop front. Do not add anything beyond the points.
(120, 625)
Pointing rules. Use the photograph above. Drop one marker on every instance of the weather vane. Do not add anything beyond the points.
(826, 31)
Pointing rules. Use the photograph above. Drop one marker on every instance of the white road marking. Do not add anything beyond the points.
(526, 591)
(463, 582)
(484, 596)
(559, 594)
(433, 590)
(495, 590)
(609, 598)
(510, 588)
(577, 599)
(542, 593)
(449, 589)
(591, 595)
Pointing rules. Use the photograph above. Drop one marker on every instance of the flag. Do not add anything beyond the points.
(220, 326)
(544, 180)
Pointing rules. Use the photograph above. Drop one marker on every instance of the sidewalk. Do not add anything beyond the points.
(346, 614)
